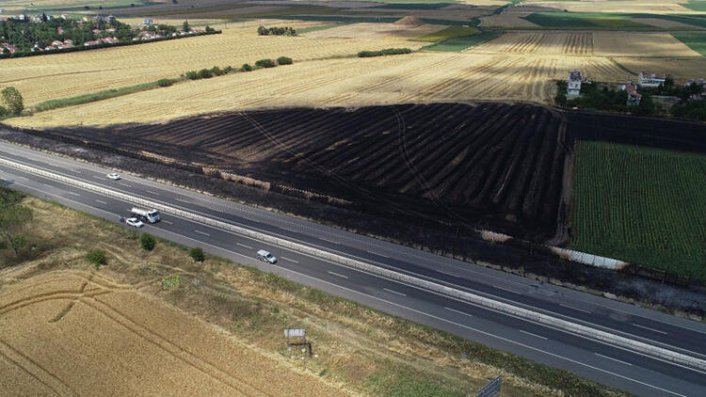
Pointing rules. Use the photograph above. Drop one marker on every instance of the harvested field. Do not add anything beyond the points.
(508, 20)
(484, 72)
(646, 45)
(376, 31)
(92, 71)
(541, 43)
(80, 333)
(444, 163)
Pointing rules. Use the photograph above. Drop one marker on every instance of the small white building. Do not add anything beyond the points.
(648, 80)
(573, 88)
(148, 21)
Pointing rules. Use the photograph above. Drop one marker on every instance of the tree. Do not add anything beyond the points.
(265, 63)
(262, 31)
(246, 68)
(13, 100)
(197, 254)
(13, 216)
(185, 26)
(3, 112)
(147, 241)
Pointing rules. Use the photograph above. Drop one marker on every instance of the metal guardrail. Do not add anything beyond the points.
(578, 329)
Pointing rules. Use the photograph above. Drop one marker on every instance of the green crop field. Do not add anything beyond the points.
(461, 43)
(583, 20)
(642, 205)
(695, 40)
(696, 5)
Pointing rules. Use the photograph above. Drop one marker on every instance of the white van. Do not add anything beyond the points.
(266, 256)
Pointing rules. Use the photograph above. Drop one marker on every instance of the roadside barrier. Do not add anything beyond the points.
(540, 318)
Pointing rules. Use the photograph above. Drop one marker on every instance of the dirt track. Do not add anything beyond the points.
(76, 333)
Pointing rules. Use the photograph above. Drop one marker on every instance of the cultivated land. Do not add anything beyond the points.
(81, 333)
(660, 223)
(65, 75)
(69, 328)
(624, 6)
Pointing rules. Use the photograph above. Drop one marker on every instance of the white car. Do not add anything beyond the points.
(134, 222)
(114, 176)
(266, 256)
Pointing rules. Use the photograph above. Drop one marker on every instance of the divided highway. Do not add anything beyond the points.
(619, 367)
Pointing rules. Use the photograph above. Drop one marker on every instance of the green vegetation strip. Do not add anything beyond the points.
(320, 27)
(96, 96)
(461, 43)
(582, 20)
(642, 205)
(695, 40)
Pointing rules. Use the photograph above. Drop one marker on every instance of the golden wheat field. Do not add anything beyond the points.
(66, 75)
(82, 334)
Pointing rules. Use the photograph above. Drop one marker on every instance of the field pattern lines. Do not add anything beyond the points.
(35, 370)
(176, 351)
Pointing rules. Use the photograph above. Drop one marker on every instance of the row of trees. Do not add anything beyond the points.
(276, 31)
(216, 71)
(386, 51)
(12, 102)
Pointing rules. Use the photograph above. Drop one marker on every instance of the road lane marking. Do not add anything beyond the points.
(458, 311)
(395, 292)
(244, 246)
(124, 184)
(338, 275)
(375, 253)
(100, 178)
(168, 222)
(614, 359)
(575, 308)
(74, 194)
(151, 192)
(182, 201)
(200, 232)
(288, 259)
(101, 201)
(330, 241)
(77, 171)
(46, 184)
(649, 329)
(535, 335)
(491, 335)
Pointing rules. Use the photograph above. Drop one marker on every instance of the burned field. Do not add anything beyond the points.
(491, 166)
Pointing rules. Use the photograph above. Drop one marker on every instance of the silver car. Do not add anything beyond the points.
(266, 256)
(134, 222)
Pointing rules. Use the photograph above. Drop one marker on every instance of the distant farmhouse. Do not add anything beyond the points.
(574, 87)
(634, 97)
(651, 80)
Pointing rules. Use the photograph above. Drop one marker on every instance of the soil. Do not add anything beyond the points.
(388, 182)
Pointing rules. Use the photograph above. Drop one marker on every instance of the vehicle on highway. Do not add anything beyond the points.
(134, 222)
(266, 256)
(114, 176)
(151, 216)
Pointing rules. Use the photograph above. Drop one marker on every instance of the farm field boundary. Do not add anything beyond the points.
(695, 40)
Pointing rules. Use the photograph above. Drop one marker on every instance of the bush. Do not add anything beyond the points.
(216, 71)
(228, 69)
(3, 112)
(192, 75)
(284, 61)
(265, 63)
(96, 257)
(147, 241)
(165, 82)
(197, 254)
(246, 68)
(13, 100)
(205, 74)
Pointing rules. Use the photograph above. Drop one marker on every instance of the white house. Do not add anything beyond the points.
(574, 87)
(647, 79)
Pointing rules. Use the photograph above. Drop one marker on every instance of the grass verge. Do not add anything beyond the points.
(363, 349)
(448, 33)
(583, 20)
(642, 205)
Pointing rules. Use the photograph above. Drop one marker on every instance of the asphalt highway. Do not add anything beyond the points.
(607, 364)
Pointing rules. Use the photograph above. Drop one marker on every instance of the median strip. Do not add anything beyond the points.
(540, 318)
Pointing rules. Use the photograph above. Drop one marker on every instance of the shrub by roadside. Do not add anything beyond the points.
(386, 51)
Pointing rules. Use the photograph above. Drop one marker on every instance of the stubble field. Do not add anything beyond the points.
(80, 333)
